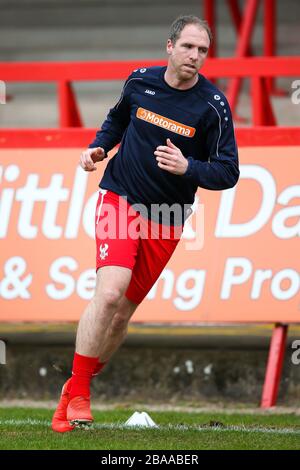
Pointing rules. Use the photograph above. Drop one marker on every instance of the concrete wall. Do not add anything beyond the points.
(152, 374)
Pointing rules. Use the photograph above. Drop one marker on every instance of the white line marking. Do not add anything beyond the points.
(220, 127)
(103, 192)
(183, 428)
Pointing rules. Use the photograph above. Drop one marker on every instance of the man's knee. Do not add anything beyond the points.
(111, 298)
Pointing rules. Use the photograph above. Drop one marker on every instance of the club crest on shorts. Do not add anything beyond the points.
(103, 251)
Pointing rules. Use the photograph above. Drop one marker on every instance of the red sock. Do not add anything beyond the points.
(83, 369)
(98, 368)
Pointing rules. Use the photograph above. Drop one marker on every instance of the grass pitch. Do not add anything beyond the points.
(27, 428)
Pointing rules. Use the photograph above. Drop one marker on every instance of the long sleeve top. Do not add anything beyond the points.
(197, 120)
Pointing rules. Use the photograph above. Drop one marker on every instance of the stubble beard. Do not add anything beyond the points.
(186, 75)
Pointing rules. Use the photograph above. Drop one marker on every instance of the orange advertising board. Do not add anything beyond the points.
(238, 260)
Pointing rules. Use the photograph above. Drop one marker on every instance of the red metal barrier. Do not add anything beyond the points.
(261, 107)
(274, 366)
(270, 40)
(81, 137)
(258, 70)
(244, 20)
(251, 6)
(210, 16)
(242, 47)
(69, 112)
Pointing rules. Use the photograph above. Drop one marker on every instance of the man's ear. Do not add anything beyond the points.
(169, 46)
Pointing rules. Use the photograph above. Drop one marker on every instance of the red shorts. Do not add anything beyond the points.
(125, 238)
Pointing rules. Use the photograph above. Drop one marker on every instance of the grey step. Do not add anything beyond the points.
(118, 12)
(25, 44)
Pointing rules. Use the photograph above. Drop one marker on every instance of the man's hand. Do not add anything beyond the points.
(170, 158)
(89, 157)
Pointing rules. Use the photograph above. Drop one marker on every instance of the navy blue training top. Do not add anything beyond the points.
(197, 120)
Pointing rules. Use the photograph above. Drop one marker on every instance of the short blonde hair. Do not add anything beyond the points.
(182, 21)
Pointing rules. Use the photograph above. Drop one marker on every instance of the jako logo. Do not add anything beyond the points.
(150, 92)
(164, 122)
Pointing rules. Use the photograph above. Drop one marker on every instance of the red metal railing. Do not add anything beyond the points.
(258, 70)
(244, 21)
(72, 137)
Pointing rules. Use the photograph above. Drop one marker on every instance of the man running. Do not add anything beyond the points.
(176, 134)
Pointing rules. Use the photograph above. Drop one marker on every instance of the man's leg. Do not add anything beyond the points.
(93, 331)
(108, 302)
(101, 330)
(117, 330)
(103, 324)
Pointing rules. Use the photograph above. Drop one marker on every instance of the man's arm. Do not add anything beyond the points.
(221, 171)
(116, 122)
(110, 134)
(89, 157)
